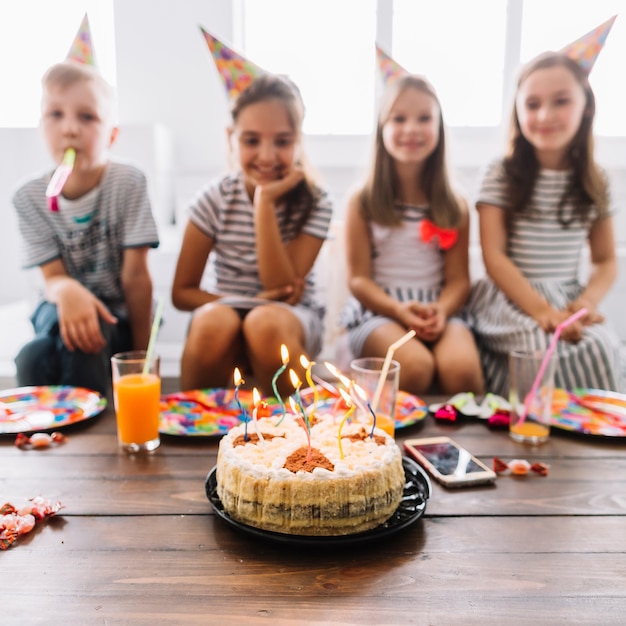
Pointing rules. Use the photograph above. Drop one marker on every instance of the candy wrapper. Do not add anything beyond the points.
(15, 522)
(494, 409)
(519, 467)
(39, 440)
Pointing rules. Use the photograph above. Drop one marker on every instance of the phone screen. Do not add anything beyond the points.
(448, 459)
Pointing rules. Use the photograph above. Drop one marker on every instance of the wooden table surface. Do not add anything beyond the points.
(138, 542)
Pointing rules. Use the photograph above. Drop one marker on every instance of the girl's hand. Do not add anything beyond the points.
(551, 318)
(289, 294)
(592, 317)
(272, 191)
(435, 322)
(432, 322)
(79, 318)
(422, 318)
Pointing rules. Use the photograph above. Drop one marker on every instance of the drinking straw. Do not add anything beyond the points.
(386, 365)
(153, 334)
(544, 363)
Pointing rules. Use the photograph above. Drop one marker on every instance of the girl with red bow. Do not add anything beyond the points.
(407, 236)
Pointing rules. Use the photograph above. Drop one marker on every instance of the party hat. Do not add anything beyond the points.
(389, 69)
(585, 50)
(82, 48)
(235, 70)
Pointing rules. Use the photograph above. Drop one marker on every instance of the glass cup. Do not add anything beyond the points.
(366, 372)
(136, 394)
(530, 415)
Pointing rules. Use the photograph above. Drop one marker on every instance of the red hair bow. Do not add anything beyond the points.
(447, 236)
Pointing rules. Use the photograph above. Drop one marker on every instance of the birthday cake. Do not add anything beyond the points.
(344, 481)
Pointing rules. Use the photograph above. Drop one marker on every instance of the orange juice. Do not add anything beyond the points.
(137, 399)
(531, 432)
(384, 422)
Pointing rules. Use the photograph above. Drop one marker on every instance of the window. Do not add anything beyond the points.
(544, 28)
(328, 52)
(464, 64)
(34, 34)
(470, 51)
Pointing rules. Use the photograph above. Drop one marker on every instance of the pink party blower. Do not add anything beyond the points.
(59, 178)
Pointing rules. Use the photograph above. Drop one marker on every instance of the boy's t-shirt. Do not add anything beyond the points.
(89, 234)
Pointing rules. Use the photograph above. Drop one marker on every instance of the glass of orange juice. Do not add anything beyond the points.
(531, 405)
(136, 395)
(366, 373)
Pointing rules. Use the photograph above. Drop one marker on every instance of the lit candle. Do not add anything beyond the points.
(345, 381)
(308, 366)
(256, 402)
(349, 412)
(284, 357)
(238, 380)
(296, 382)
(363, 396)
(300, 420)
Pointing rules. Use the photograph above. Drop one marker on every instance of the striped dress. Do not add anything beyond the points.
(224, 213)
(549, 256)
(407, 268)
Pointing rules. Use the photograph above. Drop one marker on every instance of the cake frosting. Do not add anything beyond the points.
(268, 476)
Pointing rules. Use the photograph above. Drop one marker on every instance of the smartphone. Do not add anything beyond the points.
(448, 462)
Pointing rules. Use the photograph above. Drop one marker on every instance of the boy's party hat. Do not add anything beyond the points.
(585, 50)
(82, 48)
(235, 70)
(389, 69)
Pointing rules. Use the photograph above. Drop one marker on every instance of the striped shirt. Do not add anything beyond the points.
(224, 213)
(400, 259)
(89, 234)
(539, 245)
(406, 267)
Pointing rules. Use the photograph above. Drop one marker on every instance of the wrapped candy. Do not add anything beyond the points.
(519, 467)
(494, 409)
(39, 440)
(14, 522)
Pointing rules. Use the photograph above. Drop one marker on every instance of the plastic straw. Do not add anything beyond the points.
(386, 365)
(544, 363)
(156, 322)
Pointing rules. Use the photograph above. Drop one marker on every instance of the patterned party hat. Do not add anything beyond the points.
(236, 71)
(389, 69)
(585, 50)
(82, 48)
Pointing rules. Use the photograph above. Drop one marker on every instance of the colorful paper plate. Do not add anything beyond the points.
(213, 412)
(36, 409)
(207, 412)
(591, 412)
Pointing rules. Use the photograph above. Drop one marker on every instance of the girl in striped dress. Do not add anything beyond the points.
(260, 228)
(407, 249)
(540, 207)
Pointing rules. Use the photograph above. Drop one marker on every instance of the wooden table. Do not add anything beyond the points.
(138, 542)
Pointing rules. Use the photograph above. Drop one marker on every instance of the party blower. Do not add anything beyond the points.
(59, 178)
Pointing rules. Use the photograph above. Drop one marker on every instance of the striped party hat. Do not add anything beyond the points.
(82, 47)
(389, 69)
(235, 70)
(585, 50)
